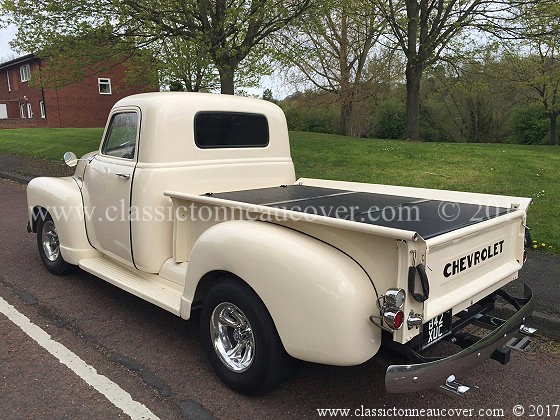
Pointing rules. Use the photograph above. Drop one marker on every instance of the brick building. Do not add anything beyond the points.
(82, 104)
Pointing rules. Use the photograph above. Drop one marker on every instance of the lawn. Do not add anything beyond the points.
(49, 143)
(528, 171)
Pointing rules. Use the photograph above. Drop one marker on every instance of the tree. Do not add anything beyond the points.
(424, 31)
(331, 46)
(470, 102)
(227, 31)
(535, 61)
(267, 95)
(184, 65)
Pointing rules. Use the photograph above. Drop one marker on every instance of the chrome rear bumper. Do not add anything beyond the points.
(416, 377)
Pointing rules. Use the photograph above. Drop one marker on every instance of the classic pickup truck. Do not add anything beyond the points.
(191, 203)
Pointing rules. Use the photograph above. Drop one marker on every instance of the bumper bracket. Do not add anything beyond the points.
(432, 373)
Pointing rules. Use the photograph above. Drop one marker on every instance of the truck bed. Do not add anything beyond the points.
(429, 218)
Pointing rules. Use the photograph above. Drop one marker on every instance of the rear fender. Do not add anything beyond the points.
(62, 198)
(319, 298)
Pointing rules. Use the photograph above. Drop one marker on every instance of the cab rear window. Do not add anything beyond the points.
(215, 130)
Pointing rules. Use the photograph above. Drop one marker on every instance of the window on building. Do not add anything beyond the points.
(42, 108)
(29, 111)
(22, 110)
(104, 86)
(25, 72)
(230, 129)
(8, 78)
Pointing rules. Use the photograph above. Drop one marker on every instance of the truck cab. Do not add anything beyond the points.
(153, 142)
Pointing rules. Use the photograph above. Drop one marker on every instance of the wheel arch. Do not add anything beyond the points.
(36, 213)
(309, 288)
(62, 199)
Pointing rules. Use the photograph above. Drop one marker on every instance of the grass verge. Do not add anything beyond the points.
(527, 171)
(516, 170)
(49, 143)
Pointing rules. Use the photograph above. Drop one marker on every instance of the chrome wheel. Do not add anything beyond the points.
(51, 244)
(232, 337)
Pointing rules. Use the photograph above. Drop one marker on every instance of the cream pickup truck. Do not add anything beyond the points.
(191, 203)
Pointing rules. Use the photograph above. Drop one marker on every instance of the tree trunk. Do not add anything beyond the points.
(227, 74)
(553, 141)
(413, 76)
(346, 109)
(346, 98)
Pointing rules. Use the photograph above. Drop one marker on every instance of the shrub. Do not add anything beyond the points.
(389, 120)
(530, 124)
(318, 120)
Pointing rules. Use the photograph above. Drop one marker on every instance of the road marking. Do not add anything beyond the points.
(110, 390)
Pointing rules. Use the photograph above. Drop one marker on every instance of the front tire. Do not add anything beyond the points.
(49, 246)
(240, 339)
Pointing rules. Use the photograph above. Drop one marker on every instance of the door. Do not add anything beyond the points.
(3, 111)
(107, 186)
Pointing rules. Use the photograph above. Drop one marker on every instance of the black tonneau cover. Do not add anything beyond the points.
(429, 218)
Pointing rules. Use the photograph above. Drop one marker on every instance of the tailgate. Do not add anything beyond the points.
(471, 261)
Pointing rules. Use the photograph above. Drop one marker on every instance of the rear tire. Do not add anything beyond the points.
(240, 339)
(49, 246)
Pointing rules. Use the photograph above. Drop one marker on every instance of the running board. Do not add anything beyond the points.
(150, 287)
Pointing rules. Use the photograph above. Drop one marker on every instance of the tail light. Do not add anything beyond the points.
(390, 306)
(393, 319)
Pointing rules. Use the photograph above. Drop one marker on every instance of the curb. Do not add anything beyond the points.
(21, 179)
(547, 325)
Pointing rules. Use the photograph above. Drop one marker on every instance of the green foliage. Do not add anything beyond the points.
(530, 124)
(267, 95)
(315, 119)
(534, 60)
(176, 86)
(389, 120)
(184, 65)
(430, 128)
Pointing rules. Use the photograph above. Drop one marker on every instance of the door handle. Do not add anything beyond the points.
(122, 175)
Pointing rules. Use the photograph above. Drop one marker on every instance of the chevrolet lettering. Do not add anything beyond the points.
(473, 259)
(223, 227)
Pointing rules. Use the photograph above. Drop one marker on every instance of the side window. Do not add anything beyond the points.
(120, 140)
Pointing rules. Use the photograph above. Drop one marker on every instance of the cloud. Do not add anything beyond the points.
(6, 35)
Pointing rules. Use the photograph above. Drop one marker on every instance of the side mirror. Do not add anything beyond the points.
(70, 159)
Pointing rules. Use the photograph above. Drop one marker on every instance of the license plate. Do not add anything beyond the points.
(436, 328)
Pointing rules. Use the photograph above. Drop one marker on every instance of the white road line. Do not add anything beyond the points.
(110, 390)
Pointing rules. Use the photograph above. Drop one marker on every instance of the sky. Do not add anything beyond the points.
(6, 35)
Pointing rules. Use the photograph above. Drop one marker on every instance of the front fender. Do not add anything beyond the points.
(62, 198)
(319, 298)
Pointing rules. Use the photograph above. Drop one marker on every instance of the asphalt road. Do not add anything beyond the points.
(157, 358)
